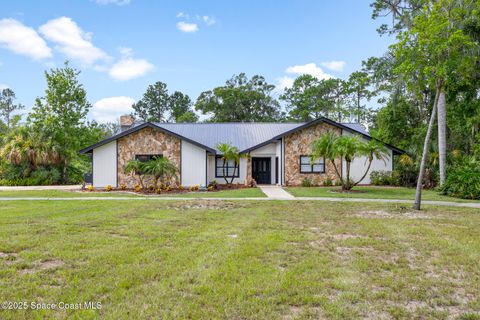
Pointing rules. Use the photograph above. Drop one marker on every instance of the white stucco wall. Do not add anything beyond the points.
(271, 150)
(359, 165)
(105, 165)
(193, 165)
(211, 171)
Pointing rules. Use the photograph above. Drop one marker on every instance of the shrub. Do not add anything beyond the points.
(213, 184)
(90, 188)
(210, 188)
(138, 188)
(123, 186)
(307, 182)
(383, 178)
(108, 188)
(328, 182)
(463, 183)
(158, 190)
(181, 188)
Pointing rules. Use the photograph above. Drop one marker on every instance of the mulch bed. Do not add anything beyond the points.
(151, 191)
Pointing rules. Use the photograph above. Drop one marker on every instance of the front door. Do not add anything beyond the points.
(261, 170)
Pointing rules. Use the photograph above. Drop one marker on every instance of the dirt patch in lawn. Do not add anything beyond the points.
(118, 235)
(45, 265)
(10, 257)
(204, 205)
(390, 214)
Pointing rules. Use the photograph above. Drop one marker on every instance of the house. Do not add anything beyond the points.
(278, 153)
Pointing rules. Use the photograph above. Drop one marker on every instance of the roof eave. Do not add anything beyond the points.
(396, 150)
(89, 149)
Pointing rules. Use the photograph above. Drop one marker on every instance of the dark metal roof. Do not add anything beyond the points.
(246, 136)
(356, 127)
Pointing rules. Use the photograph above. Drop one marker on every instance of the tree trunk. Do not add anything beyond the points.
(234, 172)
(336, 169)
(442, 135)
(366, 172)
(224, 176)
(346, 184)
(421, 173)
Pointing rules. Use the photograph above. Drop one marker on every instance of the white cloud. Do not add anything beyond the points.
(117, 2)
(23, 40)
(110, 109)
(309, 68)
(284, 82)
(187, 27)
(128, 68)
(334, 65)
(183, 15)
(72, 41)
(209, 21)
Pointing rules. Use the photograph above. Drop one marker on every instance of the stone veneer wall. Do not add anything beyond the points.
(146, 141)
(299, 143)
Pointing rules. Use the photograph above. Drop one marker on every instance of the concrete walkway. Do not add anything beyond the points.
(275, 192)
(31, 188)
(159, 198)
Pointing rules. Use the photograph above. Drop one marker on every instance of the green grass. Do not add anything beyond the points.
(240, 260)
(234, 193)
(60, 194)
(370, 193)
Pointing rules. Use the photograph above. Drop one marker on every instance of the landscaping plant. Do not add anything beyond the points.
(346, 148)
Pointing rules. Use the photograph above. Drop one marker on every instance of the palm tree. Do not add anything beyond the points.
(372, 150)
(27, 146)
(332, 147)
(230, 153)
(325, 147)
(161, 169)
(135, 167)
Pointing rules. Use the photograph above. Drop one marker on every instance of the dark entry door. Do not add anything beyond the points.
(261, 170)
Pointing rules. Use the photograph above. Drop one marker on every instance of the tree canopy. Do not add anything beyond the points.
(240, 100)
(157, 105)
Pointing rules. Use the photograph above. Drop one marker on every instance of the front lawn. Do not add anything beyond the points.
(240, 260)
(370, 193)
(61, 194)
(234, 193)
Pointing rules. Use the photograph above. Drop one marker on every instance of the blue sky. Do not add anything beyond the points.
(123, 46)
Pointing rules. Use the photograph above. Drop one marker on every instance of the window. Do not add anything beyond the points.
(307, 166)
(147, 157)
(229, 168)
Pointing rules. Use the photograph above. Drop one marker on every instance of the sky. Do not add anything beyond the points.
(122, 46)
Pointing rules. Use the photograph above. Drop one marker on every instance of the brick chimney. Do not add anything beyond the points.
(126, 121)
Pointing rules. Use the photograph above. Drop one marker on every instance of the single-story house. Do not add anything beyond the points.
(278, 153)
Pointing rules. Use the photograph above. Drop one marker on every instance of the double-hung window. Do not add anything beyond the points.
(228, 168)
(309, 166)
